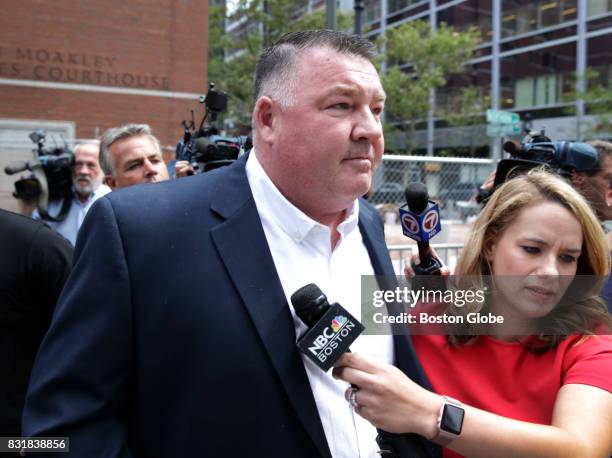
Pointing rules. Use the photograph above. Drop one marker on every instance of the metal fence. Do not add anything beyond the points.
(452, 182)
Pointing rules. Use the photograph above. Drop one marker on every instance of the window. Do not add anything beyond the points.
(550, 13)
(524, 18)
(596, 7)
(523, 91)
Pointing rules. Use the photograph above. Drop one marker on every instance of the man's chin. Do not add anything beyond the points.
(363, 184)
(83, 190)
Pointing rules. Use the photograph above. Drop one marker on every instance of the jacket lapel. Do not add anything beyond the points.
(405, 356)
(244, 250)
(373, 237)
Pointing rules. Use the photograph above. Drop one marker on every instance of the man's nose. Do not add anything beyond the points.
(150, 169)
(83, 169)
(367, 126)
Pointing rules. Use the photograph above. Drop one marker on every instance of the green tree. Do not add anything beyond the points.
(598, 103)
(232, 57)
(419, 60)
(467, 109)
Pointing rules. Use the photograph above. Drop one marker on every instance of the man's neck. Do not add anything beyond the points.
(332, 221)
(83, 197)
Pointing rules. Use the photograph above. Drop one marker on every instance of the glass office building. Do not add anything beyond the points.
(527, 61)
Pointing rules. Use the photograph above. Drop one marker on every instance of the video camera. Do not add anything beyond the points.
(561, 157)
(51, 177)
(204, 148)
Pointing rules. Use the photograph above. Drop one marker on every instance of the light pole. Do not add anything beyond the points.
(330, 14)
(358, 7)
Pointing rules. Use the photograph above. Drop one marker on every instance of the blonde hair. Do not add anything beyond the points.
(501, 210)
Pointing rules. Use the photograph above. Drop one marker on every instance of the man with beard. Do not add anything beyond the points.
(87, 188)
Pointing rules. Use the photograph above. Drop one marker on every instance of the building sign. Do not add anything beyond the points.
(77, 68)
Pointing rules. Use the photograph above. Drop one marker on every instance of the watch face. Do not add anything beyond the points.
(452, 419)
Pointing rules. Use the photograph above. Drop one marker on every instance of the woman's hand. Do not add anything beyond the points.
(409, 271)
(387, 398)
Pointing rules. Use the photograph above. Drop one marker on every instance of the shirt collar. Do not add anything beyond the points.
(273, 205)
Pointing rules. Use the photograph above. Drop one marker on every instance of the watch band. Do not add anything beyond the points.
(450, 421)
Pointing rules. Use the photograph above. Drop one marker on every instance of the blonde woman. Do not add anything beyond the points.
(505, 394)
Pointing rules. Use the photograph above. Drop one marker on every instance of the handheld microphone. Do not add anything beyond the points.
(332, 340)
(16, 167)
(331, 331)
(421, 222)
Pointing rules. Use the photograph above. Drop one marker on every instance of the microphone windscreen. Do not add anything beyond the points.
(309, 303)
(417, 197)
(15, 167)
(201, 144)
(513, 147)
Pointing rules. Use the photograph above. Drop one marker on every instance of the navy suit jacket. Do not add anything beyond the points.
(173, 336)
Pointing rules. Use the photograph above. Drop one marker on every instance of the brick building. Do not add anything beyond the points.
(78, 68)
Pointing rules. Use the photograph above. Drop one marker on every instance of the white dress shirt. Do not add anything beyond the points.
(302, 253)
(69, 227)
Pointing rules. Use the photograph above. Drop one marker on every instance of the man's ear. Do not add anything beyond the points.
(266, 118)
(110, 181)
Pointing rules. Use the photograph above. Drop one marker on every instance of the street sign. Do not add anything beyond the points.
(502, 117)
(499, 130)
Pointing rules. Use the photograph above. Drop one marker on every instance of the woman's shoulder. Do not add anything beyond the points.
(587, 360)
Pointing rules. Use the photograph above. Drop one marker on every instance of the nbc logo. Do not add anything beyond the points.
(338, 322)
(324, 345)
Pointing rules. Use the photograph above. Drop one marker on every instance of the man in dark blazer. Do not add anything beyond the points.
(174, 336)
(34, 266)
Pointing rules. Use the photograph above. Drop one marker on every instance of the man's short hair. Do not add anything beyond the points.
(603, 149)
(79, 143)
(275, 74)
(121, 133)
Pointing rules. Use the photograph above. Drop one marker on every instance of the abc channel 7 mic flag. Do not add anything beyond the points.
(421, 227)
(330, 336)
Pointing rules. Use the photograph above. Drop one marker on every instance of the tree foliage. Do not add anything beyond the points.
(598, 103)
(232, 56)
(419, 60)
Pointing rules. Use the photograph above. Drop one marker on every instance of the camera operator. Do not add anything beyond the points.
(131, 154)
(592, 178)
(593, 184)
(87, 187)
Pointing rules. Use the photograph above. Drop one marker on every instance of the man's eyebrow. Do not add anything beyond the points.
(131, 162)
(350, 91)
(341, 90)
(381, 97)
